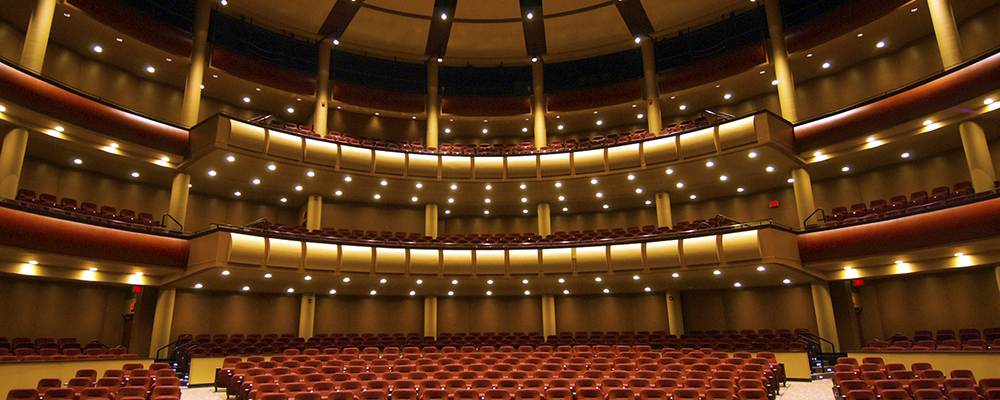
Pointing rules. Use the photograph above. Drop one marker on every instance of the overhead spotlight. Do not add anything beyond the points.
(413, 293)
(527, 293)
(333, 291)
(737, 284)
(826, 65)
(710, 164)
(717, 272)
(372, 292)
(846, 169)
(534, 59)
(769, 169)
(225, 272)
(638, 39)
(880, 44)
(451, 293)
(728, 96)
(683, 107)
(598, 279)
(444, 16)
(786, 281)
(150, 69)
(649, 289)
(607, 290)
(740, 190)
(290, 290)
(267, 276)
(246, 99)
(530, 15)
(670, 171)
(761, 268)
(346, 279)
(98, 49)
(561, 280)
(197, 286)
(676, 275)
(631, 177)
(988, 101)
(565, 291)
(489, 293)
(635, 277)
(336, 42)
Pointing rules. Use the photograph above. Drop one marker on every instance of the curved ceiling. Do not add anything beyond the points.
(485, 31)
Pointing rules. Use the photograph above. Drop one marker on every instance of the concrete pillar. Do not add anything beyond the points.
(825, 320)
(431, 316)
(549, 315)
(431, 220)
(675, 317)
(36, 41)
(544, 219)
(433, 104)
(11, 159)
(664, 218)
(178, 201)
(199, 61)
(163, 318)
(314, 213)
(307, 316)
(804, 202)
(538, 103)
(977, 153)
(322, 113)
(779, 58)
(946, 32)
(651, 88)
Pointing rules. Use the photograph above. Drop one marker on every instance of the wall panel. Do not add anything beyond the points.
(490, 314)
(210, 312)
(621, 313)
(355, 314)
(749, 308)
(42, 308)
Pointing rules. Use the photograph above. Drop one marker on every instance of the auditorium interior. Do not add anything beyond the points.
(500, 200)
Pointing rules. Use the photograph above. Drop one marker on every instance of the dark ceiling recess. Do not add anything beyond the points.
(798, 12)
(378, 73)
(534, 27)
(437, 38)
(594, 72)
(490, 81)
(274, 48)
(176, 13)
(635, 17)
(340, 17)
(712, 41)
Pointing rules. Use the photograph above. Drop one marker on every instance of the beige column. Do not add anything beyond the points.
(946, 32)
(977, 153)
(433, 104)
(544, 220)
(664, 218)
(11, 159)
(199, 61)
(549, 315)
(651, 88)
(431, 220)
(178, 200)
(825, 320)
(314, 213)
(307, 316)
(538, 103)
(804, 202)
(36, 41)
(322, 112)
(431, 316)
(996, 271)
(779, 58)
(675, 317)
(163, 318)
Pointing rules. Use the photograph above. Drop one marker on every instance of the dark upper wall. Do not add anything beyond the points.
(198, 312)
(352, 314)
(489, 314)
(749, 308)
(45, 308)
(619, 313)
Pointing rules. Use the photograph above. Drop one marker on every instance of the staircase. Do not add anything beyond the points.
(821, 364)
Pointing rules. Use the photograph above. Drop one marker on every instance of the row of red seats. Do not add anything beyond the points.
(931, 345)
(874, 379)
(86, 211)
(899, 205)
(50, 354)
(131, 382)
(499, 148)
(44, 342)
(963, 335)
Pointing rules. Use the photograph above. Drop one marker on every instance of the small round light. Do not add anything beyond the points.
(607, 290)
(135, 174)
(561, 280)
(846, 169)
(347, 280)
(272, 167)
(165, 159)
(786, 281)
(486, 130)
(290, 110)
(631, 177)
(523, 186)
(308, 278)
(565, 209)
(347, 179)
(246, 288)
(752, 154)
(98, 49)
(237, 194)
(562, 198)
(59, 128)
(740, 190)
(525, 211)
(670, 171)
(420, 281)
(826, 65)
(256, 181)
(372, 292)
(333, 291)
(723, 178)
(338, 193)
(648, 289)
(640, 116)
(560, 127)
(959, 254)
(450, 293)
(737, 284)
(451, 200)
(489, 293)
(246, 99)
(383, 183)
(988, 101)
(638, 191)
(489, 282)
(769, 169)
(310, 174)
(527, 293)
(717, 272)
(150, 69)
(680, 185)
(905, 155)
(600, 122)
(377, 196)
(454, 282)
(761, 268)
(598, 279)
(676, 275)
(298, 188)
(558, 184)
(593, 181)
(420, 185)
(694, 197)
(290, 290)
(225, 272)
(683, 107)
(710, 164)
(599, 194)
(606, 206)
(880, 44)
(638, 39)
(635, 277)
(283, 200)
(453, 187)
(93, 269)
(775, 82)
(487, 212)
(267, 276)
(444, 16)
(728, 96)
(487, 200)
(413, 293)
(197, 286)
(648, 202)
(928, 122)
(447, 130)
(447, 211)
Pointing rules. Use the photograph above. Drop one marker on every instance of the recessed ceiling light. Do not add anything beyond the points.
(165, 159)
(737, 284)
(558, 184)
(769, 169)
(58, 128)
(905, 155)
(565, 291)
(648, 202)
(649, 289)
(333, 291)
(597, 279)
(298, 188)
(640, 116)
(447, 130)
(683, 107)
(451, 200)
(638, 39)
(723, 178)
(93, 269)
(290, 110)
(880, 44)
(717, 272)
(150, 69)
(607, 290)
(246, 99)
(870, 139)
(523, 186)
(414, 198)
(562, 198)
(740, 190)
(486, 130)
(693, 196)
(670, 171)
(631, 177)
(308, 278)
(290, 290)
(752, 154)
(560, 127)
(959, 254)
(338, 193)
(256, 181)
(600, 122)
(447, 211)
(845, 169)
(246, 288)
(98, 49)
(419, 185)
(593, 181)
(524, 199)
(487, 200)
(383, 183)
(284, 200)
(791, 180)
(676, 275)
(377, 196)
(267, 276)
(119, 40)
(310, 174)
(211, 173)
(197, 286)
(525, 281)
(135, 174)
(413, 293)
(489, 282)
(599, 194)
(635, 277)
(453, 187)
(527, 293)
(606, 206)
(225, 272)
(826, 65)
(33, 262)
(861, 34)
(638, 190)
(988, 101)
(487, 212)
(786, 281)
(450, 293)
(372, 292)
(237, 194)
(272, 167)
(561, 280)
(848, 268)
(420, 281)
(230, 158)
(680, 185)
(565, 209)
(454, 282)
(761, 268)
(346, 279)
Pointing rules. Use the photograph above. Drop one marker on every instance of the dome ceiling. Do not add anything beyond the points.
(485, 31)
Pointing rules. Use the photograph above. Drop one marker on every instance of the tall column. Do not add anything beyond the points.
(804, 202)
(431, 220)
(11, 159)
(538, 103)
(825, 320)
(664, 218)
(322, 112)
(946, 32)
(431, 316)
(163, 319)
(433, 104)
(178, 201)
(314, 213)
(996, 271)
(196, 72)
(779, 58)
(675, 318)
(977, 153)
(544, 220)
(37, 38)
(307, 316)
(651, 92)
(549, 315)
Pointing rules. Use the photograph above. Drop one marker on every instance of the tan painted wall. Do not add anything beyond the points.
(490, 314)
(209, 312)
(349, 314)
(36, 308)
(341, 215)
(621, 313)
(489, 225)
(749, 308)
(953, 300)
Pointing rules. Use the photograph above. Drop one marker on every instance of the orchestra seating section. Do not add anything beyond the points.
(131, 382)
(874, 379)
(500, 148)
(50, 349)
(620, 373)
(86, 211)
(967, 339)
(960, 193)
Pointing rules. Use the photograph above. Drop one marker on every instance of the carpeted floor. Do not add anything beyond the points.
(818, 390)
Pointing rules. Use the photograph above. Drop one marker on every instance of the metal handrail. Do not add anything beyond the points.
(818, 210)
(164, 220)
